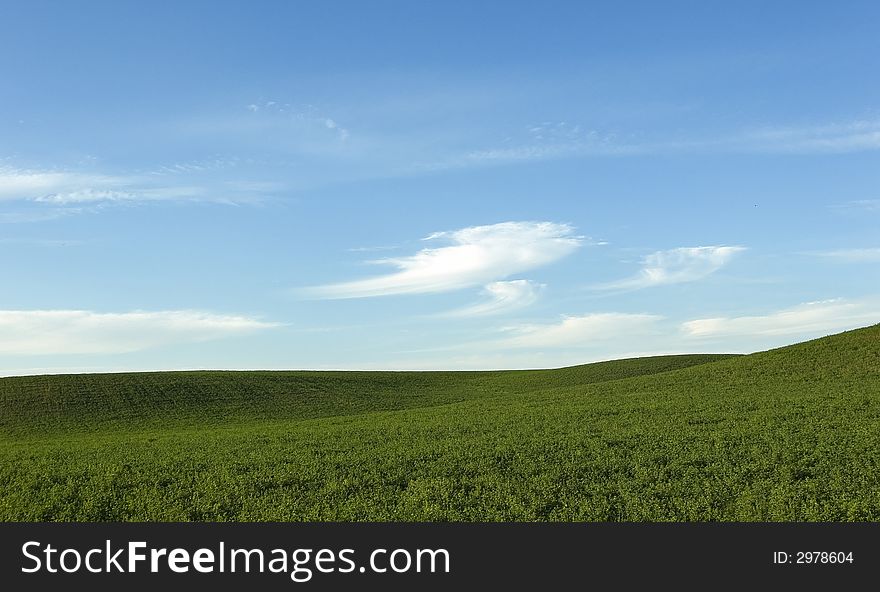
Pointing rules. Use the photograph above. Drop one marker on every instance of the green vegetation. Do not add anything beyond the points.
(789, 434)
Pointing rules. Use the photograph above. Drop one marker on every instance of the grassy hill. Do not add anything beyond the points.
(51, 405)
(789, 434)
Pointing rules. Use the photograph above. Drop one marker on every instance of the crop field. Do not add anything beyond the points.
(791, 434)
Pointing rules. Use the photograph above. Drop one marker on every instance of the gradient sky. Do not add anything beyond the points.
(414, 185)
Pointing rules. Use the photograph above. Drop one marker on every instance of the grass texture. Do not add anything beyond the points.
(791, 434)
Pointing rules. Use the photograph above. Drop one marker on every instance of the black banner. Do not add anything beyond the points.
(336, 556)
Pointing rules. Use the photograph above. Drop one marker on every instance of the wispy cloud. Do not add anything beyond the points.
(303, 127)
(501, 297)
(560, 140)
(137, 194)
(555, 140)
(804, 319)
(372, 249)
(39, 332)
(674, 266)
(582, 331)
(858, 206)
(851, 136)
(869, 255)
(29, 184)
(66, 191)
(476, 255)
(544, 141)
(86, 196)
(196, 166)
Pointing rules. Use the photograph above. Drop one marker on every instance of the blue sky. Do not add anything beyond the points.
(413, 185)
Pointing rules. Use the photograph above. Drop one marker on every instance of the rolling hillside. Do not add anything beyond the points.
(48, 405)
(789, 434)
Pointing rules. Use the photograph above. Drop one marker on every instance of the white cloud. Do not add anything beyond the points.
(476, 255)
(21, 184)
(805, 319)
(502, 297)
(582, 331)
(674, 266)
(66, 189)
(332, 125)
(372, 249)
(37, 332)
(86, 196)
(871, 255)
(145, 193)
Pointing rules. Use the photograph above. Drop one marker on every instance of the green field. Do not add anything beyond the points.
(788, 434)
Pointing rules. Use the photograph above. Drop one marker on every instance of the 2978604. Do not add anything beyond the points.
(813, 557)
